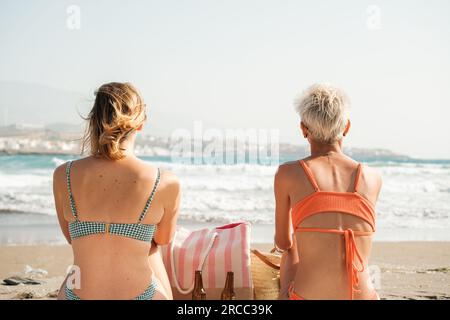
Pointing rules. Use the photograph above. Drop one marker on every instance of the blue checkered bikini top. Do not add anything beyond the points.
(138, 231)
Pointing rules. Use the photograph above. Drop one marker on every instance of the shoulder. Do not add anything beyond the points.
(169, 189)
(81, 163)
(59, 174)
(286, 172)
(61, 171)
(169, 180)
(371, 175)
(371, 183)
(287, 168)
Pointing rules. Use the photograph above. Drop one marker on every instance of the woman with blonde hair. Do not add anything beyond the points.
(325, 208)
(115, 209)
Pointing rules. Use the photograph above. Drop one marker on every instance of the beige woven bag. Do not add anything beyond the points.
(266, 275)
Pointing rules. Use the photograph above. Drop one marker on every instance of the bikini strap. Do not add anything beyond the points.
(69, 189)
(150, 199)
(309, 174)
(357, 177)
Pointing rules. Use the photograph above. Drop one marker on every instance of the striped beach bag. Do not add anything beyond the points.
(214, 252)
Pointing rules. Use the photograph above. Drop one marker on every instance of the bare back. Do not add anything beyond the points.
(116, 192)
(320, 272)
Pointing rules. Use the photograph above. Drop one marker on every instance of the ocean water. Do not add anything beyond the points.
(414, 203)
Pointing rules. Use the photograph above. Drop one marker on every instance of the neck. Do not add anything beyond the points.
(127, 146)
(323, 149)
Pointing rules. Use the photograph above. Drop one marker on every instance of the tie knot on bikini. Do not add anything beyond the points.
(354, 261)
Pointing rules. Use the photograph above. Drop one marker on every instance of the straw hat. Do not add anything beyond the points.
(266, 275)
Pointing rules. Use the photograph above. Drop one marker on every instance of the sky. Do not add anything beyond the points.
(242, 64)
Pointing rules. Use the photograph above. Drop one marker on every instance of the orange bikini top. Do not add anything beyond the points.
(351, 203)
(319, 201)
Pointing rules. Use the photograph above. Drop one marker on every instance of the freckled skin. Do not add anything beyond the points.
(115, 267)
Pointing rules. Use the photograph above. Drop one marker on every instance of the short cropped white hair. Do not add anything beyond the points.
(323, 109)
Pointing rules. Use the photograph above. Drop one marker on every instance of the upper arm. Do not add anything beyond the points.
(170, 194)
(379, 182)
(283, 238)
(59, 186)
(370, 185)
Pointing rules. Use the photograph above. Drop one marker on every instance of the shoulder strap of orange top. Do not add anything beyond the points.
(309, 175)
(357, 177)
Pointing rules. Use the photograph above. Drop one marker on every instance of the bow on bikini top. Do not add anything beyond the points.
(137, 231)
(351, 203)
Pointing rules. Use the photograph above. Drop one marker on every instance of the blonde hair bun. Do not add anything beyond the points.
(118, 110)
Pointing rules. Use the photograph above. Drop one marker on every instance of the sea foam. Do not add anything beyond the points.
(413, 194)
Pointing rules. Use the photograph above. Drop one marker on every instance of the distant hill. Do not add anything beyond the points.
(291, 152)
(65, 127)
(40, 104)
(39, 111)
(43, 139)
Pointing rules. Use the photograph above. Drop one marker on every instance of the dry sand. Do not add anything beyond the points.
(409, 270)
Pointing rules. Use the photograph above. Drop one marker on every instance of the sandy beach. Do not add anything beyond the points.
(409, 270)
